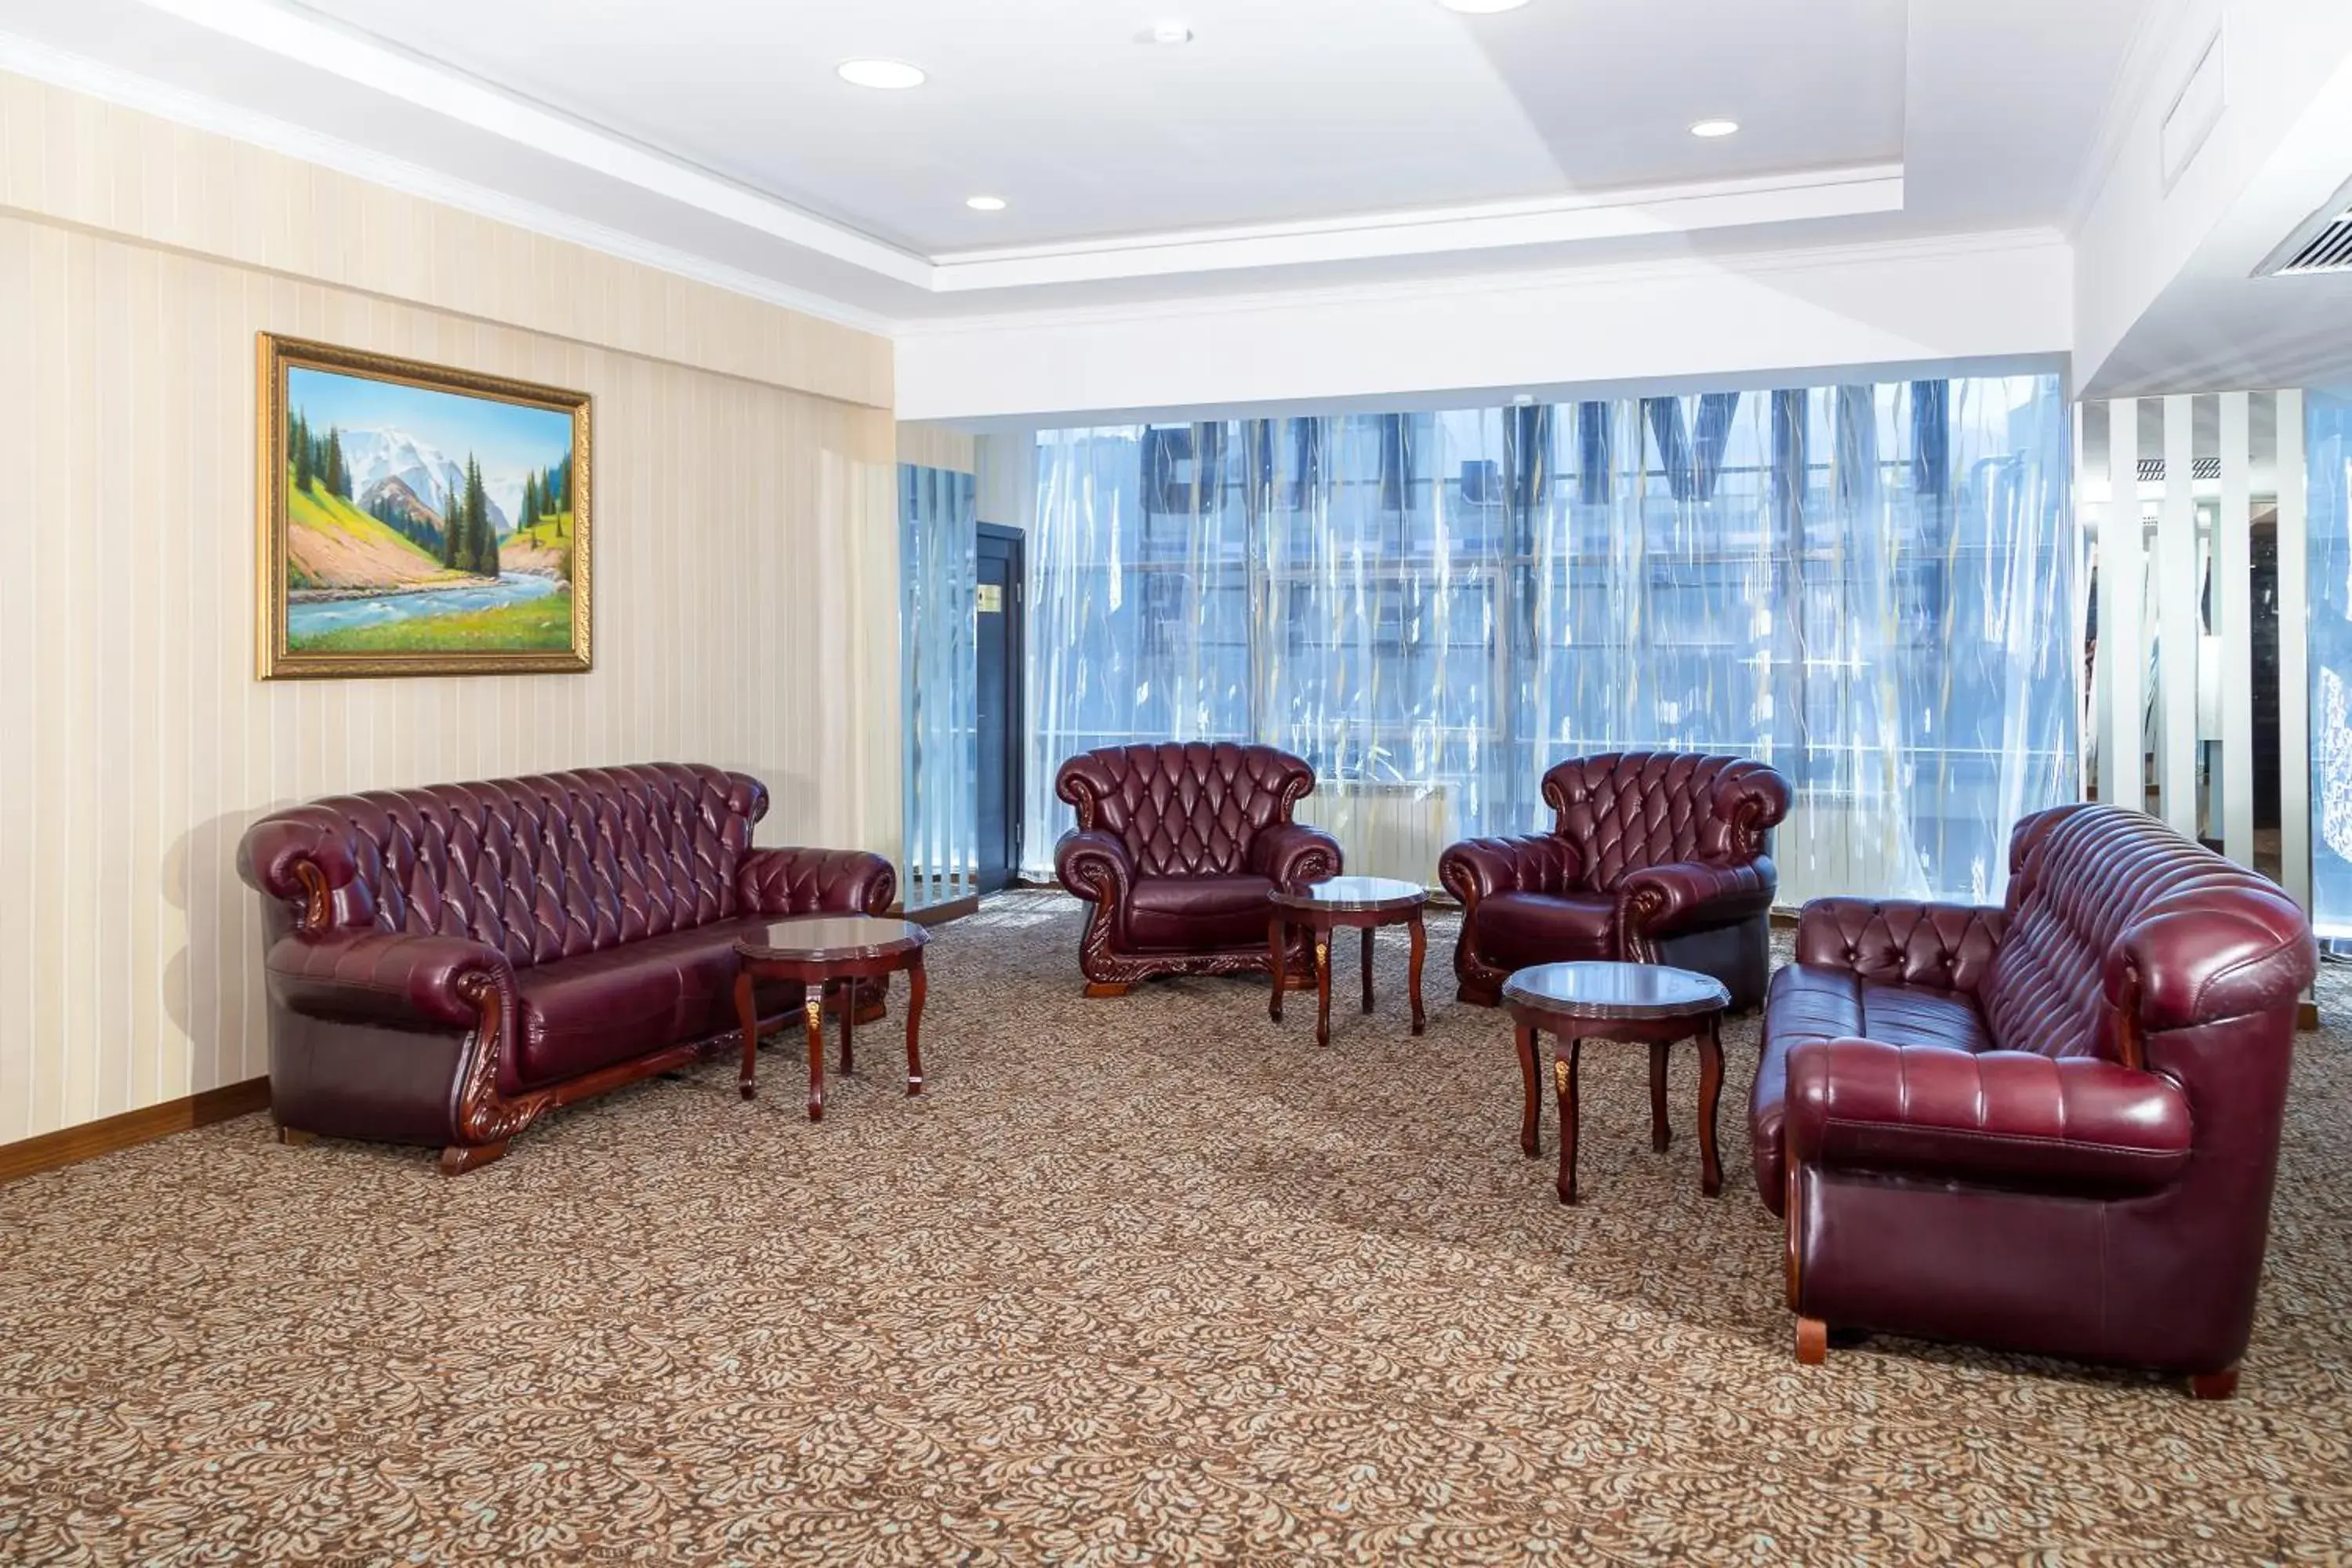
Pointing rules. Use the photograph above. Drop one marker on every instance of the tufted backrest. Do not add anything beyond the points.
(1625, 810)
(1184, 808)
(541, 869)
(2111, 910)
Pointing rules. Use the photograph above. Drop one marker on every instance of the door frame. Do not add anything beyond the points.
(1016, 669)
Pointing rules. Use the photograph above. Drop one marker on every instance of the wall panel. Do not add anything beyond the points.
(745, 538)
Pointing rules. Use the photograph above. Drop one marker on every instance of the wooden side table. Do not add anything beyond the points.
(822, 950)
(1640, 1004)
(1364, 902)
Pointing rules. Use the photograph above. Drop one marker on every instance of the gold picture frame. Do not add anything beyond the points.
(381, 554)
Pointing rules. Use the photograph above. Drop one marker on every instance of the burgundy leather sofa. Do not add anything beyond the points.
(445, 964)
(1176, 848)
(1653, 857)
(2048, 1127)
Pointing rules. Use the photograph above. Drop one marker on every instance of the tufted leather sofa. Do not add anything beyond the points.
(2050, 1126)
(1653, 857)
(445, 964)
(1176, 848)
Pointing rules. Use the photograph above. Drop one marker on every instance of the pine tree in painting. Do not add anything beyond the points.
(304, 472)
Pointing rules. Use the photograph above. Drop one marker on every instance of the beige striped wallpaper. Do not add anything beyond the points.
(746, 579)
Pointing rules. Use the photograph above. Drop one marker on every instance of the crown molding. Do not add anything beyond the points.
(1607, 215)
(1795, 258)
(1614, 214)
(321, 45)
(78, 73)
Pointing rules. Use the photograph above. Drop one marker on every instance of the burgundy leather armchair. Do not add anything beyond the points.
(446, 964)
(1176, 848)
(1653, 857)
(2049, 1127)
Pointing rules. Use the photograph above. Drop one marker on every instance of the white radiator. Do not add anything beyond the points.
(1384, 829)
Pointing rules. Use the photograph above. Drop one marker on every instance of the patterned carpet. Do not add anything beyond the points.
(1144, 1281)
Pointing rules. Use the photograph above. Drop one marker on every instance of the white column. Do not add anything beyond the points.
(2294, 656)
(2233, 626)
(2178, 626)
(2123, 651)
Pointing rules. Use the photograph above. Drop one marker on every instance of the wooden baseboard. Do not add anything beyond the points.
(74, 1144)
(939, 914)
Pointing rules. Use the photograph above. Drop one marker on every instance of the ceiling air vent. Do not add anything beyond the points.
(2320, 243)
(2330, 250)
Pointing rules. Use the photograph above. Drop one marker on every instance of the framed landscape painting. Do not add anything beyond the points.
(418, 520)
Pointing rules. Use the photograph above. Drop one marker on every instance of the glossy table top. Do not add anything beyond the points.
(1353, 895)
(1591, 989)
(823, 938)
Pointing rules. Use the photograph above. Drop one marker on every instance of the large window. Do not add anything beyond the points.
(1871, 587)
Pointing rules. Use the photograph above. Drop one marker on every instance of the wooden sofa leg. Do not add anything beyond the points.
(1106, 988)
(295, 1138)
(1812, 1342)
(2214, 1384)
(459, 1158)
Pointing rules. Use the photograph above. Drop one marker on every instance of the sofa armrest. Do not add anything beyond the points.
(2070, 1124)
(1899, 941)
(1095, 866)
(1751, 798)
(797, 881)
(1478, 869)
(1675, 894)
(406, 982)
(1290, 854)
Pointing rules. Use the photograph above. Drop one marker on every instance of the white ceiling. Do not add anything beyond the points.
(1292, 142)
(1277, 111)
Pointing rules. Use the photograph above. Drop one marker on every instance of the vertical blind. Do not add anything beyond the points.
(1874, 588)
(940, 697)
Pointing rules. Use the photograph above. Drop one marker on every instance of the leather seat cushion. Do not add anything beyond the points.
(1517, 929)
(1815, 1002)
(577, 1014)
(1178, 913)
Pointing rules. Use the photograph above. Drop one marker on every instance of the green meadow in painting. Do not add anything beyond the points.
(425, 524)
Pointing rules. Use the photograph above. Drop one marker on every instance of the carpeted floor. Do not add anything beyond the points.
(1140, 1280)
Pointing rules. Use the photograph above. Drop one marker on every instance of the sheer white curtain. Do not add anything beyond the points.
(1871, 587)
(940, 697)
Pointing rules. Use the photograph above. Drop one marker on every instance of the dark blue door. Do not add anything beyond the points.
(999, 647)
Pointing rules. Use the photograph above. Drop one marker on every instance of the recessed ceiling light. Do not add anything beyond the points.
(1481, 7)
(1713, 127)
(985, 204)
(1169, 33)
(891, 76)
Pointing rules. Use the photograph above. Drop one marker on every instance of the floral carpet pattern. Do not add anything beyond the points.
(1141, 1280)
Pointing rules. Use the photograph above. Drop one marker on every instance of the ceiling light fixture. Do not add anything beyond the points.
(985, 204)
(1481, 7)
(1169, 33)
(1712, 128)
(890, 75)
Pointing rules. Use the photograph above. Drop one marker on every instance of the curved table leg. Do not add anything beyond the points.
(747, 1013)
(1710, 1091)
(1563, 1076)
(1322, 987)
(848, 1011)
(1412, 968)
(1275, 933)
(917, 987)
(813, 1022)
(1661, 1134)
(1530, 1115)
(1368, 969)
